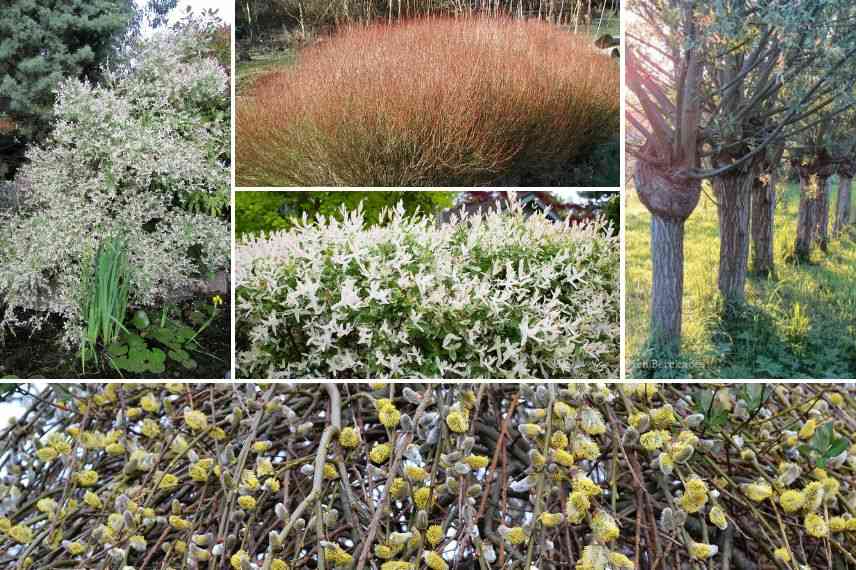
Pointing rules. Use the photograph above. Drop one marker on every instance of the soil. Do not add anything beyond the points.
(40, 355)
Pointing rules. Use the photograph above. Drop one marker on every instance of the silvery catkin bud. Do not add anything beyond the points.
(281, 512)
(422, 520)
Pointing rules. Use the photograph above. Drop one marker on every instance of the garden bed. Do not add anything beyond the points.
(40, 354)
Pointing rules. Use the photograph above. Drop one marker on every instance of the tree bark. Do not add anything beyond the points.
(842, 211)
(822, 212)
(670, 200)
(734, 196)
(667, 256)
(763, 214)
(807, 219)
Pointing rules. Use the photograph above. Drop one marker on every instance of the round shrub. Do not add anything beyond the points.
(434, 102)
(275, 477)
(144, 157)
(500, 295)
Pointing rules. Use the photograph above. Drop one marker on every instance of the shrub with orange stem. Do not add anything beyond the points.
(446, 102)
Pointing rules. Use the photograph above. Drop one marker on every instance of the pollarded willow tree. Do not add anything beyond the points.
(819, 150)
(717, 94)
(832, 148)
(846, 172)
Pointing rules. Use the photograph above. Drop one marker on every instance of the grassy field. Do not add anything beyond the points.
(247, 71)
(801, 323)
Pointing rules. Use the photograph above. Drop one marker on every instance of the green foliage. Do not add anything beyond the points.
(612, 212)
(824, 445)
(715, 415)
(46, 41)
(602, 168)
(152, 344)
(105, 297)
(754, 395)
(257, 212)
(7, 389)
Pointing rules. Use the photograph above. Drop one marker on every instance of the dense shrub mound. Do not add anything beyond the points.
(142, 156)
(431, 102)
(495, 296)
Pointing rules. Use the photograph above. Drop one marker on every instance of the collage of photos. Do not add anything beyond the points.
(418, 189)
(427, 285)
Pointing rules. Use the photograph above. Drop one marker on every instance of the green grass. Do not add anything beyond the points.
(800, 323)
(248, 71)
(611, 25)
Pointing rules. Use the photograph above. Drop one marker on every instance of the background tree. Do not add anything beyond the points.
(153, 14)
(257, 212)
(44, 42)
(260, 20)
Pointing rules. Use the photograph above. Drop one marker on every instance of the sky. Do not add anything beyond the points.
(15, 409)
(225, 8)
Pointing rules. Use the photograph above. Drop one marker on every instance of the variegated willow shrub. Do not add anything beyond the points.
(413, 476)
(499, 295)
(143, 156)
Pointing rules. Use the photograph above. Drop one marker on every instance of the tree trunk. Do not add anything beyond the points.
(734, 197)
(667, 292)
(822, 230)
(807, 220)
(842, 211)
(671, 201)
(763, 214)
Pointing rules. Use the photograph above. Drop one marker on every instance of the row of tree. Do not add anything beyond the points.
(258, 20)
(724, 91)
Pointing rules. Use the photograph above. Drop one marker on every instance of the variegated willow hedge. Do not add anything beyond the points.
(401, 477)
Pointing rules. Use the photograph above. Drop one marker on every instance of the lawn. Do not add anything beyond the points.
(248, 71)
(611, 24)
(800, 323)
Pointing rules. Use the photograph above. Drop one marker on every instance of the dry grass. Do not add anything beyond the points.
(430, 102)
